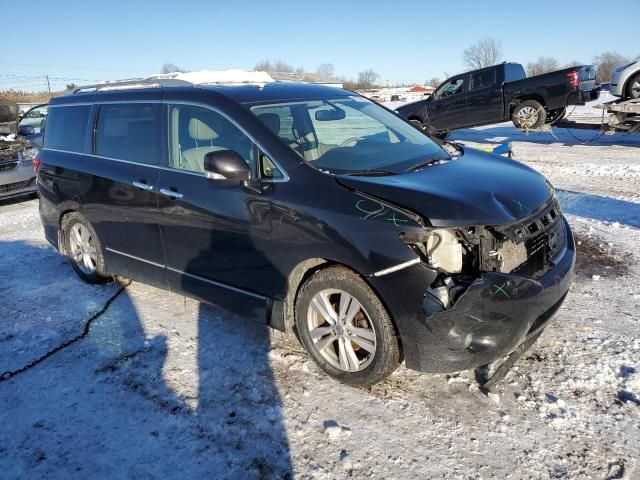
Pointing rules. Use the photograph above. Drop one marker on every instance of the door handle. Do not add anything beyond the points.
(170, 193)
(143, 186)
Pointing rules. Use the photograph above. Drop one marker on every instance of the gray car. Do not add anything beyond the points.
(17, 176)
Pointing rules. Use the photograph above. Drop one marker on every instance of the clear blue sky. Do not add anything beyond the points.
(402, 41)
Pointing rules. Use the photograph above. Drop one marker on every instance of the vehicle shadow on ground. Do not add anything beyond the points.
(4, 202)
(569, 137)
(601, 208)
(114, 405)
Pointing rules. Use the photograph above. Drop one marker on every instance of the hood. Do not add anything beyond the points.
(476, 189)
(8, 117)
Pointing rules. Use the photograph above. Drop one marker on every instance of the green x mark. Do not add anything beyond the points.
(396, 221)
(501, 289)
(522, 206)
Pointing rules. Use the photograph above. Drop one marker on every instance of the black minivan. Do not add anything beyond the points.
(312, 210)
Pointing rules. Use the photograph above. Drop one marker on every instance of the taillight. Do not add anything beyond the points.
(574, 81)
(36, 164)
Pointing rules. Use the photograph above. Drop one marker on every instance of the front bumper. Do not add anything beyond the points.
(17, 178)
(495, 315)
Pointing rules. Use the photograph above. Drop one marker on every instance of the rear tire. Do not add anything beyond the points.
(633, 88)
(528, 115)
(345, 328)
(83, 248)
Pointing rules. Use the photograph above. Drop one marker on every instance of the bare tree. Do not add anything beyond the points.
(263, 66)
(273, 66)
(573, 63)
(434, 82)
(485, 53)
(170, 68)
(367, 79)
(541, 66)
(282, 66)
(605, 64)
(326, 69)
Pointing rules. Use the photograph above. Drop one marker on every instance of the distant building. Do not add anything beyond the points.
(305, 77)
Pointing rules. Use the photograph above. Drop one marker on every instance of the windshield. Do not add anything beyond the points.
(348, 135)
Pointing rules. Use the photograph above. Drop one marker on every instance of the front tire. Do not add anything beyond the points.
(345, 328)
(633, 89)
(529, 115)
(83, 248)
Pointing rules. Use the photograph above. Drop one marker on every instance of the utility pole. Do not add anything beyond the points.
(48, 84)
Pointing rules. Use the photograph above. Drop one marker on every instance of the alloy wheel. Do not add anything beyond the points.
(635, 89)
(527, 116)
(341, 330)
(83, 249)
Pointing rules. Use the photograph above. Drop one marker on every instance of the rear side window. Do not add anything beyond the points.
(127, 132)
(66, 128)
(483, 79)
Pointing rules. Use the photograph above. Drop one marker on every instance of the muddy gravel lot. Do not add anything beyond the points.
(164, 387)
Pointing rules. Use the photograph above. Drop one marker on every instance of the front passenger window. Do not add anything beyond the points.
(195, 131)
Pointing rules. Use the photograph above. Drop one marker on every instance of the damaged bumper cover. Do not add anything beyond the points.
(494, 316)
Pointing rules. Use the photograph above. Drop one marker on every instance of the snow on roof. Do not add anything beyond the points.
(217, 76)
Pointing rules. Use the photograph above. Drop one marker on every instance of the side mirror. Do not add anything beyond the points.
(26, 130)
(226, 165)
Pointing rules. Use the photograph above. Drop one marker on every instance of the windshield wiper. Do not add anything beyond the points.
(424, 163)
(372, 172)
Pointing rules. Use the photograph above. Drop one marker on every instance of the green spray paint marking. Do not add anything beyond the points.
(522, 206)
(396, 221)
(501, 289)
(369, 212)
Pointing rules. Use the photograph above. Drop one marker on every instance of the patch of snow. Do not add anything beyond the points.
(232, 76)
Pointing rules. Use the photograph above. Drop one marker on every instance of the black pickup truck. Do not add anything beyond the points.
(499, 93)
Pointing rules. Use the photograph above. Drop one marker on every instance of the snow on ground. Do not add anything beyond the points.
(166, 387)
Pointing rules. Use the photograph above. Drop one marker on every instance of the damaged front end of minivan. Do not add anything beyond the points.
(494, 289)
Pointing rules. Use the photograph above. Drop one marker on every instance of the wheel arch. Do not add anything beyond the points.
(304, 270)
(62, 246)
(523, 98)
(627, 83)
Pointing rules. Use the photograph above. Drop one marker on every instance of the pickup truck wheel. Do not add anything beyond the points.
(345, 327)
(529, 114)
(633, 89)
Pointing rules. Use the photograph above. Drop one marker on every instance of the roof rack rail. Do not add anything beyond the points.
(133, 83)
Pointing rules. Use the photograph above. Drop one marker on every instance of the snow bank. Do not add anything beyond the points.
(217, 76)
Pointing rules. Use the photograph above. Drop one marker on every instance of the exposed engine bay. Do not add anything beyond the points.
(462, 255)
